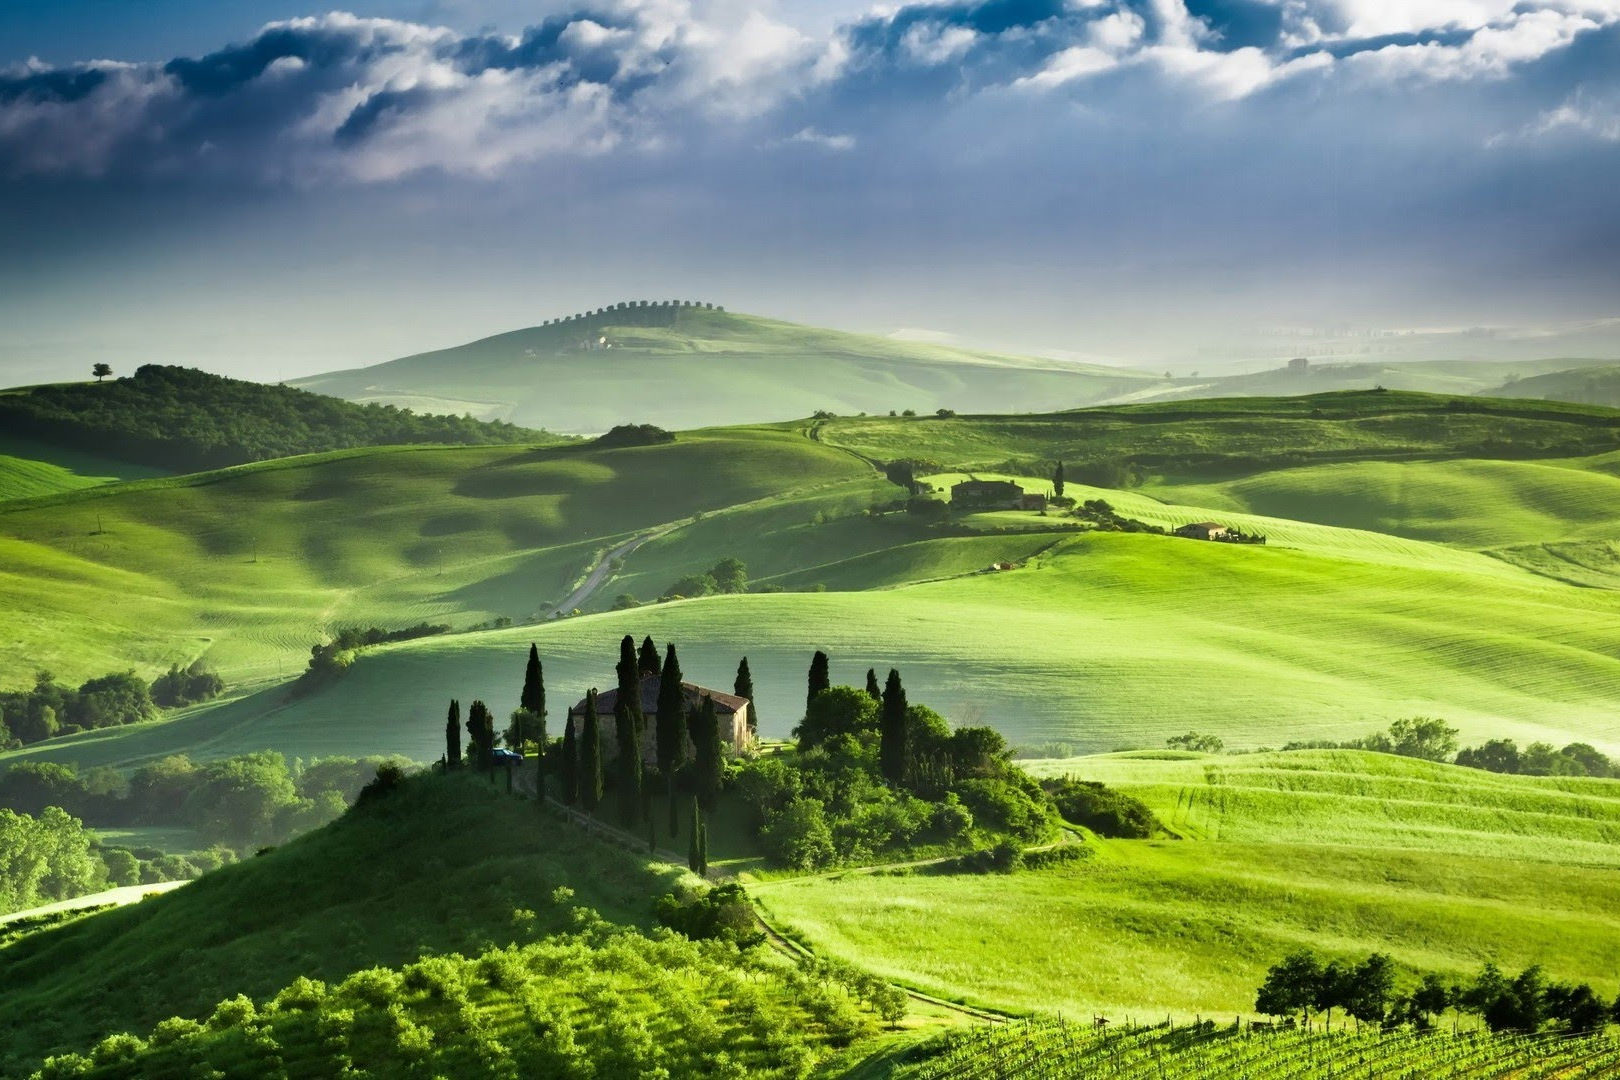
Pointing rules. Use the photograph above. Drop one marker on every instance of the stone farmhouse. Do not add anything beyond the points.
(970, 495)
(1203, 530)
(731, 709)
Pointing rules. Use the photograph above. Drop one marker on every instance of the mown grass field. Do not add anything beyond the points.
(1443, 868)
(29, 468)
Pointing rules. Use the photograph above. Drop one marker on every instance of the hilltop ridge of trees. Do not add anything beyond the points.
(188, 420)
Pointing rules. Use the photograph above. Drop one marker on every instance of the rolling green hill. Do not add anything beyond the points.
(1441, 867)
(1474, 376)
(1594, 385)
(30, 468)
(685, 367)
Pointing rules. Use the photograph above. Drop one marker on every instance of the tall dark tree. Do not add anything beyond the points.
(590, 755)
(709, 767)
(452, 736)
(671, 730)
(872, 687)
(744, 688)
(820, 676)
(569, 766)
(628, 765)
(697, 846)
(892, 730)
(481, 728)
(101, 371)
(533, 697)
(1057, 480)
(649, 656)
(629, 669)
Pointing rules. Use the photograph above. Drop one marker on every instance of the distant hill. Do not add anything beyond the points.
(687, 366)
(1461, 377)
(1597, 385)
(183, 419)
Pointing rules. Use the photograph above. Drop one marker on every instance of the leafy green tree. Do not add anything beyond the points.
(820, 677)
(101, 371)
(892, 733)
(1577, 1007)
(1431, 998)
(1497, 755)
(452, 736)
(649, 657)
(799, 836)
(709, 767)
(1290, 986)
(628, 765)
(238, 801)
(1057, 481)
(590, 756)
(839, 710)
(743, 687)
(1369, 988)
(1423, 737)
(872, 687)
(568, 768)
(730, 575)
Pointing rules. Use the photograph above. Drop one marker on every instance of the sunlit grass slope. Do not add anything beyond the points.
(1443, 868)
(1351, 797)
(29, 468)
(710, 367)
(443, 866)
(1243, 434)
(1106, 640)
(249, 566)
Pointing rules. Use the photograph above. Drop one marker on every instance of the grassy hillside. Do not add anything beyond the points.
(1441, 867)
(445, 865)
(691, 367)
(1473, 376)
(183, 419)
(250, 566)
(30, 468)
(1243, 435)
(1594, 385)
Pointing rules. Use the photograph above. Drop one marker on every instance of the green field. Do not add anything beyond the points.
(29, 468)
(709, 367)
(1443, 868)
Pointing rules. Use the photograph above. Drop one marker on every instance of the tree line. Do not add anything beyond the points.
(184, 419)
(239, 802)
(1366, 991)
(1431, 739)
(50, 708)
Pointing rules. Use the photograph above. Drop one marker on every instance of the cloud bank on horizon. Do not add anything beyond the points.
(338, 98)
(1120, 178)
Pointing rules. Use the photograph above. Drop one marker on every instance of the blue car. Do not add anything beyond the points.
(502, 756)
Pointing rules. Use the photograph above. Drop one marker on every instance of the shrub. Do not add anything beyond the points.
(634, 435)
(798, 835)
(1101, 809)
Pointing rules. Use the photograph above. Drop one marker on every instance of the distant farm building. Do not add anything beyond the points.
(1203, 530)
(994, 495)
(731, 709)
(1299, 365)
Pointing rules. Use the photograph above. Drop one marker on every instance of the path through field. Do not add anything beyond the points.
(128, 894)
(603, 567)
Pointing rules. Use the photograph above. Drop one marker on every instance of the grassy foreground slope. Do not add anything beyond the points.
(444, 865)
(1441, 867)
(250, 566)
(29, 468)
(689, 367)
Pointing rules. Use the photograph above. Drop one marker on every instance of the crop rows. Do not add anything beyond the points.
(1057, 1050)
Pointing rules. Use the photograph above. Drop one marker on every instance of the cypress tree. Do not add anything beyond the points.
(534, 685)
(671, 717)
(744, 688)
(570, 765)
(629, 669)
(709, 765)
(872, 689)
(629, 763)
(1057, 480)
(452, 736)
(590, 756)
(694, 843)
(481, 727)
(820, 676)
(649, 656)
(892, 730)
(703, 848)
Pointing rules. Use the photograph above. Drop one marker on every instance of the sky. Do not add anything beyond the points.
(270, 191)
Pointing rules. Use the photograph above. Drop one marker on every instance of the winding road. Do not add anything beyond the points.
(603, 567)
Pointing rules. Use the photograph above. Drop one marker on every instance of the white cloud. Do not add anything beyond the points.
(1490, 52)
(810, 136)
(1581, 115)
(932, 43)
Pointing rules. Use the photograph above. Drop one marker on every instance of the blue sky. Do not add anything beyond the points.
(271, 190)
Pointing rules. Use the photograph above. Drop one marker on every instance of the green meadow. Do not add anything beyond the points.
(1443, 868)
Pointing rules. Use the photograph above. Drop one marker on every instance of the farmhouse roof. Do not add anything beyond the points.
(1204, 525)
(608, 700)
